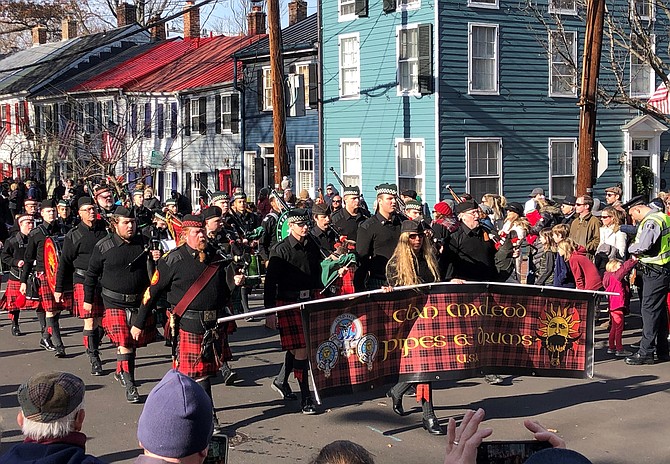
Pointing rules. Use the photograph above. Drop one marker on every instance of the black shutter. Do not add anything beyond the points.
(389, 6)
(187, 191)
(202, 115)
(235, 113)
(259, 89)
(361, 8)
(313, 86)
(147, 120)
(38, 120)
(187, 116)
(173, 120)
(160, 121)
(217, 114)
(426, 81)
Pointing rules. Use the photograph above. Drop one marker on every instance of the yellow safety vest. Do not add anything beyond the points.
(663, 255)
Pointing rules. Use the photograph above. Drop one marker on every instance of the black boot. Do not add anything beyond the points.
(229, 376)
(132, 395)
(396, 393)
(54, 324)
(430, 422)
(92, 351)
(280, 383)
(307, 404)
(15, 323)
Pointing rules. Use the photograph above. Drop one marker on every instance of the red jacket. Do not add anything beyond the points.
(585, 272)
(616, 282)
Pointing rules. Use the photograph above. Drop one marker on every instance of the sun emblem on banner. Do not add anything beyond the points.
(559, 329)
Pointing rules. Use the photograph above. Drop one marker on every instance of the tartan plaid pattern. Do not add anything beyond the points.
(118, 331)
(47, 302)
(189, 362)
(12, 293)
(345, 285)
(78, 305)
(454, 341)
(290, 328)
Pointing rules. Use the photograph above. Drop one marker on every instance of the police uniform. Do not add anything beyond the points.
(293, 275)
(652, 248)
(120, 267)
(77, 248)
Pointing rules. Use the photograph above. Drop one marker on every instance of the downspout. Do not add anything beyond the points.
(319, 98)
(242, 106)
(182, 179)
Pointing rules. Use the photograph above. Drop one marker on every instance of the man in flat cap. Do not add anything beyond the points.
(613, 197)
(120, 264)
(568, 209)
(346, 220)
(77, 248)
(51, 419)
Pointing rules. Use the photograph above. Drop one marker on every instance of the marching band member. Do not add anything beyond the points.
(13, 258)
(324, 235)
(48, 311)
(293, 275)
(104, 199)
(119, 264)
(77, 248)
(413, 262)
(244, 222)
(347, 219)
(198, 284)
(269, 224)
(65, 218)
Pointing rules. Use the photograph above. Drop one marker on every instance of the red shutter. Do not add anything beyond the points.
(16, 118)
(8, 118)
(26, 118)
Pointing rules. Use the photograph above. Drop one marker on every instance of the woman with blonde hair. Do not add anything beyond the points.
(413, 262)
(585, 272)
(496, 204)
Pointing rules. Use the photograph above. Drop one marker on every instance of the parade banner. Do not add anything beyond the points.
(448, 331)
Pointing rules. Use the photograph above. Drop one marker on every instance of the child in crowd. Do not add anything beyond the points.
(563, 277)
(544, 258)
(616, 281)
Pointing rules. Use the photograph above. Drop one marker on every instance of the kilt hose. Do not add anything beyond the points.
(12, 293)
(78, 305)
(189, 361)
(118, 330)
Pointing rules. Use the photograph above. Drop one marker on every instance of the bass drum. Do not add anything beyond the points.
(52, 250)
(282, 226)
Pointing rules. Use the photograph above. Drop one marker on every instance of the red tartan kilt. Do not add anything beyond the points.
(47, 302)
(117, 329)
(345, 284)
(78, 305)
(289, 324)
(189, 361)
(12, 293)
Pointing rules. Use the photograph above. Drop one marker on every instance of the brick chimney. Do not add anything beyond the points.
(69, 29)
(39, 35)
(126, 14)
(158, 29)
(256, 21)
(297, 11)
(191, 21)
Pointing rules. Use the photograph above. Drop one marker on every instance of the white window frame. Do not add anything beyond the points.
(267, 89)
(340, 39)
(422, 156)
(493, 5)
(552, 92)
(298, 67)
(468, 141)
(167, 184)
(304, 176)
(644, 17)
(229, 98)
(651, 77)
(408, 5)
(496, 89)
(563, 11)
(573, 141)
(346, 17)
(346, 174)
(400, 91)
(194, 116)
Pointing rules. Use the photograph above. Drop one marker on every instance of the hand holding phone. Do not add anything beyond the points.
(508, 452)
(217, 453)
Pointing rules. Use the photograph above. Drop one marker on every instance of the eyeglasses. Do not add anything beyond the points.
(609, 194)
(336, 201)
(301, 224)
(605, 217)
(580, 204)
(414, 236)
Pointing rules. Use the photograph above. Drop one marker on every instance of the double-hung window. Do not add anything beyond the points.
(563, 63)
(483, 59)
(484, 165)
(350, 155)
(350, 71)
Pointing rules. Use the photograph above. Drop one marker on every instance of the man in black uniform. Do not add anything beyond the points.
(347, 220)
(65, 219)
(377, 239)
(184, 275)
(244, 222)
(48, 311)
(324, 235)
(293, 275)
(269, 224)
(119, 264)
(143, 215)
(77, 248)
(105, 201)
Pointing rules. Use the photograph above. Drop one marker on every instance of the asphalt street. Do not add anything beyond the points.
(619, 416)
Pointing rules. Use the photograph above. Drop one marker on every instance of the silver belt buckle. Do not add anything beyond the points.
(209, 316)
(304, 294)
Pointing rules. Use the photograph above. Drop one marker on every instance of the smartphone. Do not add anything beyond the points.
(508, 452)
(217, 453)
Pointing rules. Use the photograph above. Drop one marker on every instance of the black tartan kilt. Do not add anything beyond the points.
(117, 329)
(189, 360)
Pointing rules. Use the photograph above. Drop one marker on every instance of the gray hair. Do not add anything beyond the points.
(44, 430)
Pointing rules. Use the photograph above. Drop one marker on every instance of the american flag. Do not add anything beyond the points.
(659, 99)
(112, 144)
(3, 132)
(66, 137)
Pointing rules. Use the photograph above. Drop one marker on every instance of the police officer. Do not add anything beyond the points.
(48, 312)
(293, 275)
(203, 344)
(651, 248)
(77, 248)
(377, 238)
(346, 220)
(120, 265)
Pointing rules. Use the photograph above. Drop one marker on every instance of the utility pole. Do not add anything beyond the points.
(278, 96)
(593, 41)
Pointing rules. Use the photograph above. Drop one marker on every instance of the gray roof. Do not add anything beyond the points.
(302, 35)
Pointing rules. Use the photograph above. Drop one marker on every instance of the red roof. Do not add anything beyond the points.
(174, 65)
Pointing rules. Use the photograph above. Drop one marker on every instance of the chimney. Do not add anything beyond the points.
(158, 29)
(297, 11)
(39, 35)
(191, 21)
(126, 14)
(256, 21)
(69, 29)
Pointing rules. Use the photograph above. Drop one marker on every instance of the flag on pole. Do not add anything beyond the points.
(659, 99)
(112, 144)
(66, 137)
